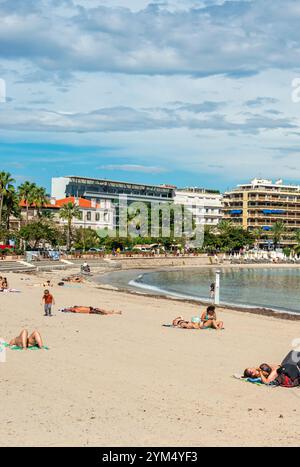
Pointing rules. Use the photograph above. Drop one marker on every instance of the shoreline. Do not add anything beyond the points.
(133, 289)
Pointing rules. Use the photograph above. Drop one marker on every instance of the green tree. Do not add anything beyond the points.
(39, 231)
(27, 193)
(297, 239)
(11, 206)
(39, 198)
(86, 239)
(278, 231)
(68, 212)
(257, 234)
(6, 184)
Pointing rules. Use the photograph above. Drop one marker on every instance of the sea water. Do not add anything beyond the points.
(275, 288)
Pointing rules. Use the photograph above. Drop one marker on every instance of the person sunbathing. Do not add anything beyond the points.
(73, 279)
(265, 372)
(90, 310)
(182, 323)
(209, 319)
(24, 341)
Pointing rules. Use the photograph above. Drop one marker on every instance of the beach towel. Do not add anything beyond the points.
(256, 381)
(193, 329)
(11, 291)
(16, 347)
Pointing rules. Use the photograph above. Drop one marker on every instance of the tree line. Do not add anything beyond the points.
(41, 229)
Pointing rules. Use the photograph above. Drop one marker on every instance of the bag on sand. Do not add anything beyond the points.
(289, 371)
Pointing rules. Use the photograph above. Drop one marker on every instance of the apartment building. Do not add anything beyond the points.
(206, 205)
(260, 204)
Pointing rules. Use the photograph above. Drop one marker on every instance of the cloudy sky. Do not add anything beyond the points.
(188, 92)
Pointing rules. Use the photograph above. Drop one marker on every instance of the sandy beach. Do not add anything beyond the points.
(127, 381)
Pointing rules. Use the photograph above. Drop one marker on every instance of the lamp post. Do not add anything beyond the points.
(217, 288)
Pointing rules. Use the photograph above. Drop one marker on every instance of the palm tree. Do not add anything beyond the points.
(278, 230)
(6, 182)
(11, 206)
(68, 212)
(27, 193)
(297, 238)
(40, 198)
(225, 227)
(257, 234)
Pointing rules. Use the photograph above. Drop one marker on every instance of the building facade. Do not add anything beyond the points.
(93, 188)
(94, 214)
(261, 203)
(205, 205)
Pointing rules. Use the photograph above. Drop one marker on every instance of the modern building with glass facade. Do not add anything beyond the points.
(93, 188)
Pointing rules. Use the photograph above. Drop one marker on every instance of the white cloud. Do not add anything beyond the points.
(133, 168)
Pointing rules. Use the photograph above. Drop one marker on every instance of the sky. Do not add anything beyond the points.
(184, 92)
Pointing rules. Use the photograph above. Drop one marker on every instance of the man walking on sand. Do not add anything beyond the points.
(48, 301)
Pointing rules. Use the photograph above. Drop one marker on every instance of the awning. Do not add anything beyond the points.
(236, 211)
(273, 211)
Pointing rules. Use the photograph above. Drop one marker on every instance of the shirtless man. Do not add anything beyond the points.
(24, 341)
(90, 310)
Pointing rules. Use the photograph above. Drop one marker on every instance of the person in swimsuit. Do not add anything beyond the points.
(267, 373)
(90, 310)
(23, 341)
(209, 319)
(182, 323)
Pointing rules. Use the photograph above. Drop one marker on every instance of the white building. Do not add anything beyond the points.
(96, 214)
(206, 205)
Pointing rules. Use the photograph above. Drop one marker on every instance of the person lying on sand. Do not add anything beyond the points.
(90, 310)
(24, 341)
(287, 374)
(267, 373)
(73, 279)
(181, 323)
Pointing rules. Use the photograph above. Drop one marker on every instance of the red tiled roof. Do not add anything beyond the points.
(23, 204)
(81, 202)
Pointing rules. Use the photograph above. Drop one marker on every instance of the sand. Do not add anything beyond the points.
(128, 381)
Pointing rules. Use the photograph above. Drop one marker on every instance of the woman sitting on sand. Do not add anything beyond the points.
(24, 341)
(209, 319)
(90, 310)
(4, 284)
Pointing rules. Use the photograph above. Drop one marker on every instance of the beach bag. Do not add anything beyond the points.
(286, 381)
(289, 371)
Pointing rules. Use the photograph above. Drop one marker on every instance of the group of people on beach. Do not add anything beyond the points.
(287, 374)
(208, 319)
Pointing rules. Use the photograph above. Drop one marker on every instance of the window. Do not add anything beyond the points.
(97, 216)
(88, 216)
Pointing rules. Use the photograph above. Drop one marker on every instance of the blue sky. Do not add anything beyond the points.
(187, 92)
